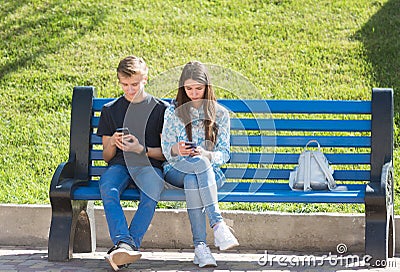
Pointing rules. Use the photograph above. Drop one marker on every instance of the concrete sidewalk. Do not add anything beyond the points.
(35, 259)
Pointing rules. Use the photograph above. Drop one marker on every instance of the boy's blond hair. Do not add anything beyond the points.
(132, 65)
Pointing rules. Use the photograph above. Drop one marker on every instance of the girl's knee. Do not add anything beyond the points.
(190, 182)
(200, 164)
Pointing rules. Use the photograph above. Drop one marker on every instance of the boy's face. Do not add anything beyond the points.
(132, 86)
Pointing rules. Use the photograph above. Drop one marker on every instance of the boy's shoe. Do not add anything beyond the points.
(223, 237)
(114, 265)
(203, 256)
(122, 255)
(111, 263)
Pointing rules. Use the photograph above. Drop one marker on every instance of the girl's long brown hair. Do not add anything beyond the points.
(198, 72)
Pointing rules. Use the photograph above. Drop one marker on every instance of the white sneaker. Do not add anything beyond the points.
(223, 237)
(203, 256)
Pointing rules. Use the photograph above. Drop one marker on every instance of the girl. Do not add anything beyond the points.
(195, 142)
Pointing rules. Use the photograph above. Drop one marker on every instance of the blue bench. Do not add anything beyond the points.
(267, 137)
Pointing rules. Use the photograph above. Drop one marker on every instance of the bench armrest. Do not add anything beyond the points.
(64, 171)
(381, 193)
(64, 180)
(387, 182)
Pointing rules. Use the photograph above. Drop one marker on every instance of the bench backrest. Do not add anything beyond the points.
(267, 136)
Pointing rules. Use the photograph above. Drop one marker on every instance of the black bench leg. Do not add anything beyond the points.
(379, 221)
(391, 237)
(64, 222)
(379, 242)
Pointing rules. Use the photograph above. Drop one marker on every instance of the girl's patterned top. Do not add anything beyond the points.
(174, 131)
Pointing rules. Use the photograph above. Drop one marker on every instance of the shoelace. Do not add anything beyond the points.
(204, 250)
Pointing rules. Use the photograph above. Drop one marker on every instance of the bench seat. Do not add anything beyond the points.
(245, 192)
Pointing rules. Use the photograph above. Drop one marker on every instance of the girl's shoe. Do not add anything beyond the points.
(223, 237)
(203, 256)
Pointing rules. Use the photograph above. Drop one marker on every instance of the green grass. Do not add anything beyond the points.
(297, 49)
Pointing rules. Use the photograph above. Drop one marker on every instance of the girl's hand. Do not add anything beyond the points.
(199, 151)
(181, 149)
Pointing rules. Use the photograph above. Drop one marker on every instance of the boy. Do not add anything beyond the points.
(134, 156)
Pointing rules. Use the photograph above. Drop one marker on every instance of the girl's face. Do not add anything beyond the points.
(194, 90)
(132, 86)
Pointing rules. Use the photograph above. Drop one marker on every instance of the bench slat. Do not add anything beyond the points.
(291, 125)
(298, 106)
(283, 158)
(300, 141)
(300, 125)
(288, 141)
(98, 103)
(278, 158)
(283, 174)
(266, 173)
(281, 106)
(245, 192)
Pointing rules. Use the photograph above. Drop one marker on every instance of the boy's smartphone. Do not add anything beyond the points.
(123, 130)
(190, 144)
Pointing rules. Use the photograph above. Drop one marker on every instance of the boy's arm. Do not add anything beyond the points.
(109, 148)
(155, 153)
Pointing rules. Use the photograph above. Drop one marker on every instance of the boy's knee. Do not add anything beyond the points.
(149, 201)
(109, 194)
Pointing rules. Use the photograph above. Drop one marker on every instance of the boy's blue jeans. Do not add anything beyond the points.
(197, 177)
(112, 183)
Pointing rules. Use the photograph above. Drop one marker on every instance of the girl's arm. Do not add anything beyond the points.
(169, 136)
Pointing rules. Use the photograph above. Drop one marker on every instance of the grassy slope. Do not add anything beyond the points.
(287, 49)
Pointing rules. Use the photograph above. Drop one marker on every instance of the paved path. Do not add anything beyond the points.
(25, 259)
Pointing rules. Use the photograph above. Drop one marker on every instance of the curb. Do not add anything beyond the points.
(28, 225)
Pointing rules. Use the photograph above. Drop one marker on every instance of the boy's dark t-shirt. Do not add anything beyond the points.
(144, 120)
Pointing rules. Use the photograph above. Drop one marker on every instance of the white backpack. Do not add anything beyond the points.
(313, 171)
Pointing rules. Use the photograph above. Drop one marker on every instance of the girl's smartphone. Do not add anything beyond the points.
(190, 144)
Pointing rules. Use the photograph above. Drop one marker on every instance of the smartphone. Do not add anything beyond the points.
(190, 144)
(123, 130)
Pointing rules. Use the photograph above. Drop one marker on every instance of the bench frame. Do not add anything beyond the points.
(72, 224)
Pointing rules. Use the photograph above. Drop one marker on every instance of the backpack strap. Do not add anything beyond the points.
(307, 171)
(328, 174)
(313, 141)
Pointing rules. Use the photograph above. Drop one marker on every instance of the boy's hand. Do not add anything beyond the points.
(128, 143)
(115, 138)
